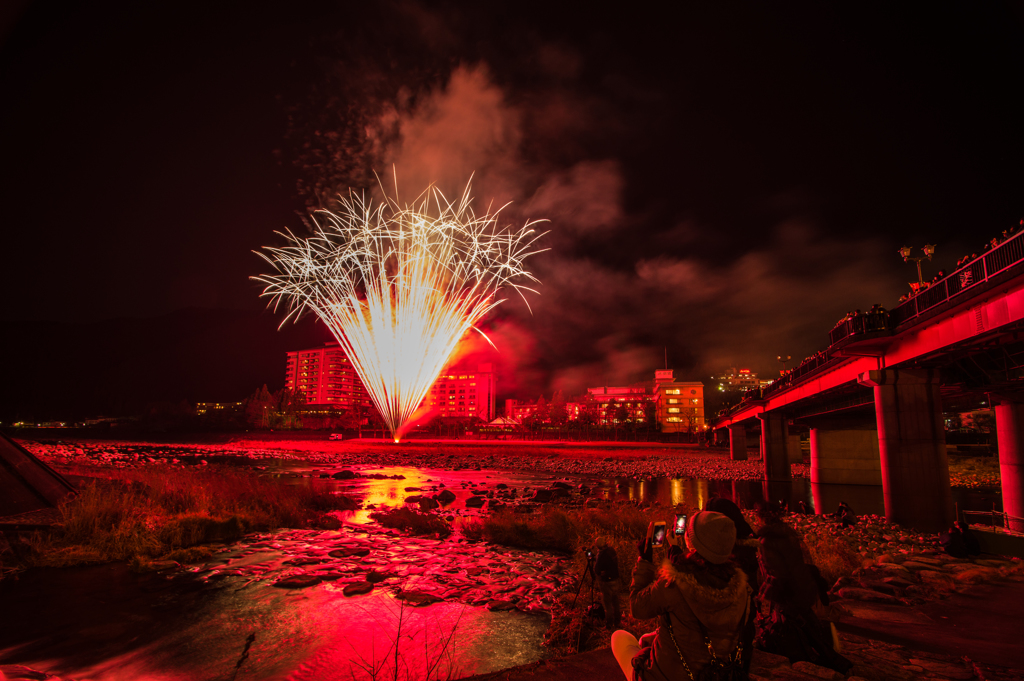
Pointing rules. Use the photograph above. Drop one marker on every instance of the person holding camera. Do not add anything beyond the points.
(606, 568)
(701, 599)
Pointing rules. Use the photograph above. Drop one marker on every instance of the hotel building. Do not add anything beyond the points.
(680, 404)
(460, 392)
(325, 377)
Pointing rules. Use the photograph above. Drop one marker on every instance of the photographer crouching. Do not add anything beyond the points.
(606, 568)
(701, 598)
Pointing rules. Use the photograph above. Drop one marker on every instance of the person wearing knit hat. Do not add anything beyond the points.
(701, 599)
(712, 535)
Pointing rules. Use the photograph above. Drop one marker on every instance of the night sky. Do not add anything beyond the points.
(723, 183)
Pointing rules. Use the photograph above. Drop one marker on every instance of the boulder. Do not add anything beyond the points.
(417, 598)
(298, 581)
(817, 671)
(445, 496)
(542, 496)
(352, 552)
(475, 502)
(357, 588)
(867, 595)
(374, 577)
(428, 504)
(345, 475)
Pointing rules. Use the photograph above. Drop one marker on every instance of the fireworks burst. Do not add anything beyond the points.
(399, 286)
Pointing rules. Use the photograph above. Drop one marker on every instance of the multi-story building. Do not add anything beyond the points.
(464, 393)
(325, 376)
(633, 398)
(680, 404)
(204, 408)
(517, 411)
(742, 379)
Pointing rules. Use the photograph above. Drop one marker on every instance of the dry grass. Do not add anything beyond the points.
(573, 531)
(137, 515)
(403, 518)
(832, 555)
(974, 471)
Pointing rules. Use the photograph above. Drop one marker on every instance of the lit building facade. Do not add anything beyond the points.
(633, 398)
(464, 393)
(679, 404)
(739, 379)
(325, 376)
(204, 408)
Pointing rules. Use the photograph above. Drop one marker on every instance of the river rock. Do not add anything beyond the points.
(357, 588)
(345, 475)
(868, 595)
(445, 496)
(298, 581)
(352, 552)
(374, 577)
(475, 502)
(936, 578)
(977, 575)
(542, 496)
(817, 671)
(428, 504)
(417, 599)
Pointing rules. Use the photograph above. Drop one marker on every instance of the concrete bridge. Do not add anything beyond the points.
(874, 400)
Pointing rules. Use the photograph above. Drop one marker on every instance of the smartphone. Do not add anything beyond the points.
(659, 534)
(680, 527)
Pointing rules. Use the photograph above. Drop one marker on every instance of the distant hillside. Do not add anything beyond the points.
(55, 370)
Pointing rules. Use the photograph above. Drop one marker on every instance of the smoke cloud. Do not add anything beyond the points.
(618, 295)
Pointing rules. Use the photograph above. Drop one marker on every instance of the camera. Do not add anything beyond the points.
(590, 554)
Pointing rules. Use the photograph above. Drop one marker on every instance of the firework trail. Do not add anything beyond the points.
(399, 286)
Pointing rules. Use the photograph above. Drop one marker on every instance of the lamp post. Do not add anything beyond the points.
(783, 360)
(929, 251)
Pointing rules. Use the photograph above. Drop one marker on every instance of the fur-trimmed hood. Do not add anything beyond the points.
(715, 606)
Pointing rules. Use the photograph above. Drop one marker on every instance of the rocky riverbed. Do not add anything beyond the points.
(598, 459)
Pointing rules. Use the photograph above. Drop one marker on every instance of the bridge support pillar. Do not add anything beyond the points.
(845, 456)
(1010, 433)
(796, 453)
(912, 448)
(737, 442)
(775, 446)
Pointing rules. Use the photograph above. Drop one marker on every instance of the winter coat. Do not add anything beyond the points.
(684, 593)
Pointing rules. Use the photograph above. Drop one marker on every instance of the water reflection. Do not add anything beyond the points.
(692, 492)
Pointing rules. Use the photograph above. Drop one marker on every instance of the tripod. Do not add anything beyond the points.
(587, 572)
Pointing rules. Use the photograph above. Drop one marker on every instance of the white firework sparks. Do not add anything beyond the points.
(399, 286)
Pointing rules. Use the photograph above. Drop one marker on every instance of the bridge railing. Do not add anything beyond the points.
(981, 269)
(1003, 256)
(859, 324)
(994, 519)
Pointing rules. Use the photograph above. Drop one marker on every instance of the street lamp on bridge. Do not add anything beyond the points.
(929, 251)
